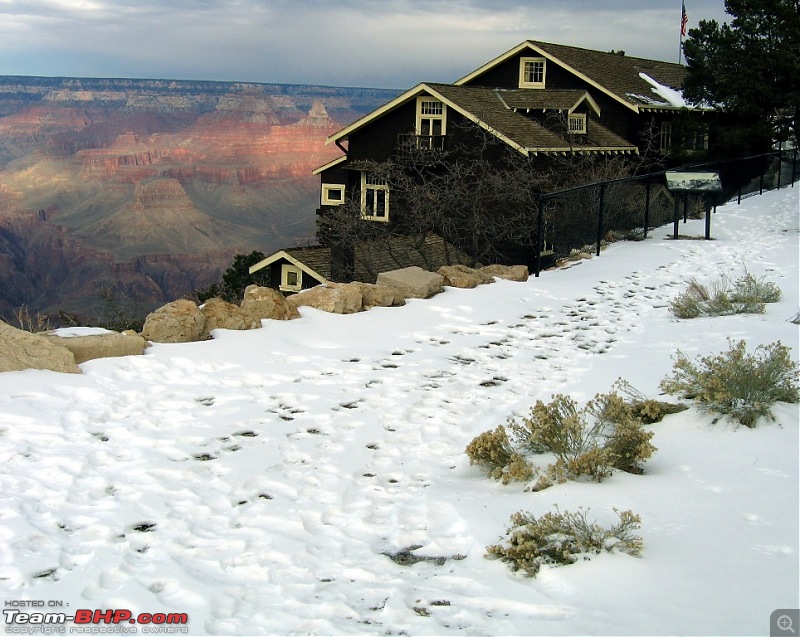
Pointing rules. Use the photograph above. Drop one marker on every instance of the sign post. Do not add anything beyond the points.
(700, 183)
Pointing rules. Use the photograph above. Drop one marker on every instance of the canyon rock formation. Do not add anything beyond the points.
(144, 190)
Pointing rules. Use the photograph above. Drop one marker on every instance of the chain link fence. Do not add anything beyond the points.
(583, 218)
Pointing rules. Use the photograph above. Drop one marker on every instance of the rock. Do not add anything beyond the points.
(338, 298)
(413, 282)
(265, 303)
(509, 272)
(461, 276)
(21, 350)
(223, 315)
(86, 348)
(380, 296)
(177, 322)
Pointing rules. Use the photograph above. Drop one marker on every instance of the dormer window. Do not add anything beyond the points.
(532, 72)
(577, 124)
(431, 122)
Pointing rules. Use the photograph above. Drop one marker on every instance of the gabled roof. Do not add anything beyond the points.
(330, 164)
(489, 109)
(525, 99)
(616, 75)
(312, 260)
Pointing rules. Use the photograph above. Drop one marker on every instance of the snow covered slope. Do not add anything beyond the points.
(258, 481)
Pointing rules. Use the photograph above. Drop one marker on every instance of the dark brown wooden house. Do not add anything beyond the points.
(539, 100)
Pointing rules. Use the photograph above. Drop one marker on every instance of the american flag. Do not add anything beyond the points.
(684, 18)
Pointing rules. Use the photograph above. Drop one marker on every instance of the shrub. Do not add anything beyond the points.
(748, 295)
(604, 435)
(647, 410)
(31, 323)
(750, 289)
(557, 538)
(743, 387)
(492, 450)
(592, 441)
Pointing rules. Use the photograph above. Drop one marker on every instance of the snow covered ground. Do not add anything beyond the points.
(258, 481)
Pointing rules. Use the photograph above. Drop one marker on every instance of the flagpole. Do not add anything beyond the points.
(684, 20)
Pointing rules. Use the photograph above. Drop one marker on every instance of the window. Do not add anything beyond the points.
(532, 72)
(374, 198)
(698, 139)
(431, 122)
(577, 124)
(291, 278)
(665, 138)
(332, 194)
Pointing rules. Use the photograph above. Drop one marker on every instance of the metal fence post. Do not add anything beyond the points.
(676, 217)
(647, 209)
(600, 216)
(794, 165)
(539, 238)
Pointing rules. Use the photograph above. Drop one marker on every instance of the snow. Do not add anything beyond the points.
(672, 96)
(74, 332)
(258, 481)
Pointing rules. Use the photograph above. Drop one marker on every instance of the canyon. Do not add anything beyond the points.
(142, 191)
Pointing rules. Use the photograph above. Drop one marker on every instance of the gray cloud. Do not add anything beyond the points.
(394, 43)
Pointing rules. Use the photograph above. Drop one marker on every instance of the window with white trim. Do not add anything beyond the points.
(532, 72)
(291, 278)
(374, 198)
(332, 194)
(577, 124)
(431, 122)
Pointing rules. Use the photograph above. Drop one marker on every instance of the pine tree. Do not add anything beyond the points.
(750, 69)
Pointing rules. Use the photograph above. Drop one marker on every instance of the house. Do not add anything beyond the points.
(539, 101)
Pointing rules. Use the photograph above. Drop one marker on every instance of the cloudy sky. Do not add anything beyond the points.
(374, 43)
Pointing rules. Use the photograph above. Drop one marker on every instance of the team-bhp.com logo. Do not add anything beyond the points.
(120, 620)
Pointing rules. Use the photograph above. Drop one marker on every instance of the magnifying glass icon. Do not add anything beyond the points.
(784, 622)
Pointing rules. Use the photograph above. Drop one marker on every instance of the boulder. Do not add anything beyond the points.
(509, 272)
(177, 322)
(338, 298)
(380, 296)
(21, 350)
(86, 348)
(413, 282)
(265, 303)
(461, 276)
(227, 316)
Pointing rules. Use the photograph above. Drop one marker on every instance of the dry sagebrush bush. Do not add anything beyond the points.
(739, 385)
(748, 295)
(592, 441)
(558, 538)
(647, 410)
(492, 451)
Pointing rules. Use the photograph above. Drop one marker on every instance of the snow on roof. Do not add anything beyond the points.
(671, 96)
